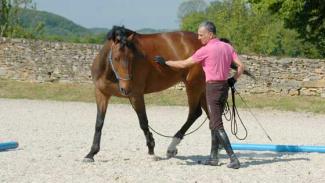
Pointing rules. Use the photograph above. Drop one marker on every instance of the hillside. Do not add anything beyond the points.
(61, 27)
(53, 24)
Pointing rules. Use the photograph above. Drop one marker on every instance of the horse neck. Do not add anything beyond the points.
(142, 45)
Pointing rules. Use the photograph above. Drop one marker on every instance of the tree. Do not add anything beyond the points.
(190, 6)
(307, 17)
(251, 29)
(10, 12)
(5, 8)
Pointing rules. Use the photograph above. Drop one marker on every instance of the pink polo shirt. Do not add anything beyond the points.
(215, 57)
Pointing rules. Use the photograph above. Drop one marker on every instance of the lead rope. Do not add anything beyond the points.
(168, 136)
(232, 113)
(232, 118)
(258, 122)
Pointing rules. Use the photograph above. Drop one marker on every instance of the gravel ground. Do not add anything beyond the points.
(55, 136)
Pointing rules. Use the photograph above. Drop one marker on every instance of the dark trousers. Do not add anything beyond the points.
(216, 95)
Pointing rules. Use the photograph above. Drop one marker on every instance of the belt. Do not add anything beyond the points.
(216, 81)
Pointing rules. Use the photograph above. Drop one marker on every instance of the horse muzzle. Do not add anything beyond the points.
(124, 91)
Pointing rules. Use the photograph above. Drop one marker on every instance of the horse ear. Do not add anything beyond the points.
(111, 35)
(130, 37)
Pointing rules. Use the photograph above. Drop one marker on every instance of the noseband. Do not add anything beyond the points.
(110, 60)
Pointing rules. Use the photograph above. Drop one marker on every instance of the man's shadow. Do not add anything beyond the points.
(251, 158)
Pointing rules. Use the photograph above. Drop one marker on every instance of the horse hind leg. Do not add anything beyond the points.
(195, 112)
(102, 102)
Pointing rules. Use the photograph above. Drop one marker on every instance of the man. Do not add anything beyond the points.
(215, 57)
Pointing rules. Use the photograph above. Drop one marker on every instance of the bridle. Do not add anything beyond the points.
(110, 60)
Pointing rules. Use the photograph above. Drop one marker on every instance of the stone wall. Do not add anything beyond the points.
(39, 61)
(286, 76)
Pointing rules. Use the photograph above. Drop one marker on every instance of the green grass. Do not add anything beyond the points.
(285, 103)
(46, 91)
(85, 93)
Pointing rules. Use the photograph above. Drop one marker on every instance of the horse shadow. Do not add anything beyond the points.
(251, 158)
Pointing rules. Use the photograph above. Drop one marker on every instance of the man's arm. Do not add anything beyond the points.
(181, 64)
(240, 68)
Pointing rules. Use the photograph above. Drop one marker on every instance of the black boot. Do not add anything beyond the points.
(214, 154)
(223, 139)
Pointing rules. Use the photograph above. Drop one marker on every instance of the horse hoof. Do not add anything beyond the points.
(88, 160)
(155, 158)
(171, 153)
(211, 162)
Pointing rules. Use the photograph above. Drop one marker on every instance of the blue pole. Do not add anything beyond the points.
(8, 145)
(278, 148)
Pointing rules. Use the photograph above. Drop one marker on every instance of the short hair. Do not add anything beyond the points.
(209, 26)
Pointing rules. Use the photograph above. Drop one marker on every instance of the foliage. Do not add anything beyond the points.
(304, 16)
(192, 21)
(57, 28)
(191, 6)
(5, 22)
(267, 27)
(4, 16)
(252, 29)
(10, 18)
(19, 19)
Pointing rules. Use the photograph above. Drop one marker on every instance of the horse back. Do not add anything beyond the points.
(170, 45)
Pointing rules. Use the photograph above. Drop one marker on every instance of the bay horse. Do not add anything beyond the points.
(125, 67)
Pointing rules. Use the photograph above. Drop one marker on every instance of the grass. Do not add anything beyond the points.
(85, 93)
(285, 103)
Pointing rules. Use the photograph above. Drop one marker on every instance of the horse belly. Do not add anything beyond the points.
(156, 84)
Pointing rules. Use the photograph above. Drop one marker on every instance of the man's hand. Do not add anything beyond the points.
(231, 82)
(160, 60)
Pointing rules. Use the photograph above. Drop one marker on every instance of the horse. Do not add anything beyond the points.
(125, 67)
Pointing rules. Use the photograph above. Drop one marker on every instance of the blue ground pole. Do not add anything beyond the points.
(8, 145)
(278, 148)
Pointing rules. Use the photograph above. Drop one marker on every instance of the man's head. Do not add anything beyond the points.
(206, 32)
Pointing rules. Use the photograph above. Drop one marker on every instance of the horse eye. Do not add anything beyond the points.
(122, 48)
(117, 58)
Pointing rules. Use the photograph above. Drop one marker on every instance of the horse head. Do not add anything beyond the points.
(121, 56)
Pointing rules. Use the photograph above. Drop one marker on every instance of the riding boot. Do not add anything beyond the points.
(214, 154)
(224, 140)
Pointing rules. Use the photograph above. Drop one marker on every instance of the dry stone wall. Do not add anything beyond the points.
(41, 61)
(286, 76)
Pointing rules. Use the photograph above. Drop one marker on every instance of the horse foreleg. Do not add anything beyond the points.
(195, 112)
(139, 107)
(102, 102)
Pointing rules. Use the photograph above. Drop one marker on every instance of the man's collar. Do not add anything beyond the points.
(213, 40)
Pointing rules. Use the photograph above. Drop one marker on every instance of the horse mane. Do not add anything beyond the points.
(120, 34)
